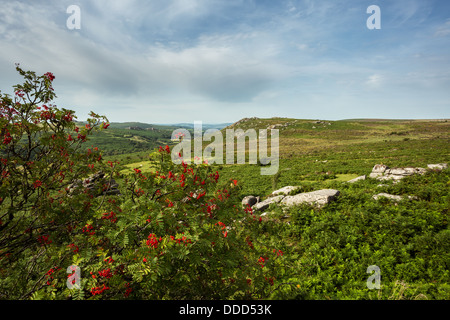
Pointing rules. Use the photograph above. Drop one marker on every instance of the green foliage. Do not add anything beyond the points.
(117, 141)
(407, 240)
(179, 231)
(173, 233)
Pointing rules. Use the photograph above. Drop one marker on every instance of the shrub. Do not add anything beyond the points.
(174, 233)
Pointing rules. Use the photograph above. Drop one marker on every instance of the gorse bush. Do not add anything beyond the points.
(174, 233)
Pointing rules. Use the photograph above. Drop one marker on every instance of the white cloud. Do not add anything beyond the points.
(204, 57)
(221, 67)
(302, 46)
(443, 30)
(375, 80)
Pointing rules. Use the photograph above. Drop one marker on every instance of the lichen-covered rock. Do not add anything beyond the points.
(438, 166)
(357, 179)
(318, 198)
(96, 184)
(263, 205)
(392, 197)
(249, 201)
(378, 170)
(383, 172)
(285, 190)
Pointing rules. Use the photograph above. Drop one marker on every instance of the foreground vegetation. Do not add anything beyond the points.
(331, 248)
(408, 240)
(179, 231)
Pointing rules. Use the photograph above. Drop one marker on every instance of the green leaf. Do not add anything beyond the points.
(125, 240)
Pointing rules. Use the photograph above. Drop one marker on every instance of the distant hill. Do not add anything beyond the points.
(218, 126)
(380, 119)
(172, 126)
(131, 137)
(128, 125)
(296, 136)
(302, 136)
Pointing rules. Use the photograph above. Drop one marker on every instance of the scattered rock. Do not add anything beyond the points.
(382, 185)
(319, 198)
(285, 190)
(323, 123)
(96, 184)
(383, 172)
(357, 179)
(378, 170)
(438, 166)
(387, 195)
(325, 196)
(263, 205)
(249, 201)
(392, 197)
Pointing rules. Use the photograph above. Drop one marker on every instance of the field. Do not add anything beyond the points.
(309, 150)
(177, 242)
(333, 246)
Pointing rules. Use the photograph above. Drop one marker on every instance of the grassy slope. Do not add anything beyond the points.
(119, 140)
(332, 247)
(311, 153)
(344, 149)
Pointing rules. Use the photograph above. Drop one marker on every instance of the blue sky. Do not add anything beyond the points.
(215, 61)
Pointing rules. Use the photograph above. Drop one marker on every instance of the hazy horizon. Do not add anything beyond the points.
(315, 119)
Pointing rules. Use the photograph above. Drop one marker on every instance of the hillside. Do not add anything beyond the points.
(134, 138)
(299, 137)
(400, 227)
(310, 150)
(319, 150)
(333, 246)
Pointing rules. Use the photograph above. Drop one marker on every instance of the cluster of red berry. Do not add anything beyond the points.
(111, 216)
(88, 229)
(99, 290)
(44, 240)
(49, 274)
(152, 240)
(74, 247)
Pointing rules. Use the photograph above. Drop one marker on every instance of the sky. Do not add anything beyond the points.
(216, 61)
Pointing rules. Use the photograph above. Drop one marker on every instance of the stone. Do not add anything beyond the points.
(383, 172)
(438, 166)
(285, 190)
(390, 177)
(263, 205)
(392, 197)
(94, 182)
(408, 171)
(319, 198)
(378, 170)
(357, 179)
(382, 185)
(274, 126)
(387, 195)
(249, 201)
